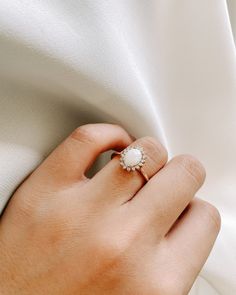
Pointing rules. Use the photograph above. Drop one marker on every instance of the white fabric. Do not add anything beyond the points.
(159, 67)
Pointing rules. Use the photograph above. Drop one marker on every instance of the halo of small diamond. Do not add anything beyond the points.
(137, 166)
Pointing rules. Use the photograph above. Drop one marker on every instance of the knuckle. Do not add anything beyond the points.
(85, 134)
(193, 167)
(117, 126)
(172, 286)
(110, 250)
(154, 148)
(212, 214)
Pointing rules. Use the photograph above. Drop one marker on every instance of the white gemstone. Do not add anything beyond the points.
(132, 157)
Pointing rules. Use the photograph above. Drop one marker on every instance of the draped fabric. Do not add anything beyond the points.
(164, 68)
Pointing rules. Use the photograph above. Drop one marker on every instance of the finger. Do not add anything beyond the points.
(191, 239)
(167, 194)
(73, 157)
(121, 185)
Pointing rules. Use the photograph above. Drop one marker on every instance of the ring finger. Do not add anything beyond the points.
(121, 185)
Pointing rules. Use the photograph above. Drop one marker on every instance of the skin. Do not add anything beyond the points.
(63, 233)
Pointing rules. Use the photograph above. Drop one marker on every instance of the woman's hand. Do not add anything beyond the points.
(65, 234)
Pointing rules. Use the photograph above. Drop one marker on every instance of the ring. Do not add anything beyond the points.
(132, 159)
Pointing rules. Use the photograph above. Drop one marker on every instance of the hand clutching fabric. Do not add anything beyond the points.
(115, 233)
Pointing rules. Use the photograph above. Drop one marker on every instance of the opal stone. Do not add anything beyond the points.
(132, 157)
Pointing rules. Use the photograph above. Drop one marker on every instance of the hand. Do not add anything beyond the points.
(65, 234)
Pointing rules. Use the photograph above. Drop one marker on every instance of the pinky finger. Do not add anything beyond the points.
(192, 238)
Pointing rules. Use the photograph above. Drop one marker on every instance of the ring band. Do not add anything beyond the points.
(133, 158)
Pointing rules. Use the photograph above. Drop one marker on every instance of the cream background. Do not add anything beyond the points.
(160, 67)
